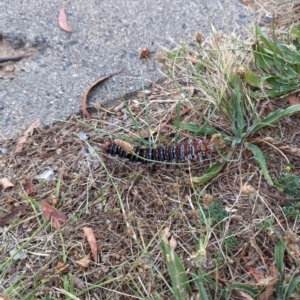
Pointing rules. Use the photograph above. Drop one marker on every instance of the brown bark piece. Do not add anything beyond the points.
(84, 97)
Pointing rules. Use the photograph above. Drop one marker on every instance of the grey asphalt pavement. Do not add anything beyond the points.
(107, 36)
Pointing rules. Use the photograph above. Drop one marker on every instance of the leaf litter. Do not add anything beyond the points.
(90, 207)
(26, 134)
(52, 214)
(5, 183)
(92, 242)
(63, 20)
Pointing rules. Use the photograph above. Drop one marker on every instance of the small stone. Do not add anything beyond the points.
(119, 107)
(9, 69)
(268, 17)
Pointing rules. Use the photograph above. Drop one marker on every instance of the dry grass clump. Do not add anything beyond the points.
(283, 13)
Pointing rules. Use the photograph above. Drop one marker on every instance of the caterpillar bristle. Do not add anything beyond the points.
(195, 150)
(125, 145)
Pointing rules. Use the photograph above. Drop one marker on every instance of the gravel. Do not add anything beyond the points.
(107, 36)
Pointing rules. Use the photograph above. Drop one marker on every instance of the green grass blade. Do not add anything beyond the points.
(247, 289)
(291, 287)
(198, 129)
(296, 31)
(259, 33)
(132, 117)
(201, 288)
(252, 79)
(177, 121)
(209, 174)
(259, 157)
(238, 121)
(263, 60)
(279, 255)
(279, 91)
(274, 117)
(180, 283)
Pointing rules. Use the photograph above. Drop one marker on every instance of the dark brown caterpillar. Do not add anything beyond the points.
(195, 150)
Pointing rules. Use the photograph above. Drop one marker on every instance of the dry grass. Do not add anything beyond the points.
(284, 12)
(128, 205)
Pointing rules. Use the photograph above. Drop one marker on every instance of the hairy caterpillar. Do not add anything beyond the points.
(195, 150)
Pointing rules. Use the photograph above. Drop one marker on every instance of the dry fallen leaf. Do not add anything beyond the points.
(5, 183)
(19, 211)
(83, 263)
(62, 268)
(172, 242)
(26, 134)
(92, 241)
(247, 2)
(2, 297)
(168, 238)
(50, 212)
(272, 281)
(28, 187)
(244, 295)
(293, 100)
(192, 59)
(258, 276)
(60, 142)
(84, 97)
(63, 20)
(165, 235)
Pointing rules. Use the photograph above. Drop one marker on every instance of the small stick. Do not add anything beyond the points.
(11, 58)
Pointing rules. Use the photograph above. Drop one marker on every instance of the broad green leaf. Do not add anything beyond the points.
(279, 255)
(291, 287)
(280, 82)
(200, 286)
(263, 61)
(201, 290)
(198, 129)
(287, 74)
(259, 157)
(209, 174)
(274, 117)
(282, 90)
(291, 57)
(252, 79)
(213, 170)
(271, 46)
(247, 289)
(238, 121)
(180, 283)
(236, 141)
(296, 31)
